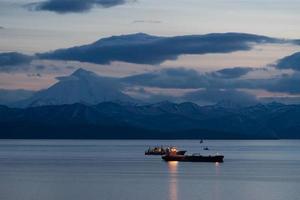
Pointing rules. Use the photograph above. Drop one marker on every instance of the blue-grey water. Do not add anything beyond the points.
(118, 170)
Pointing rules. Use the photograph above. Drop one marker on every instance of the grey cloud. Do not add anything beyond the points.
(40, 67)
(147, 21)
(284, 100)
(169, 78)
(286, 83)
(34, 75)
(296, 42)
(186, 78)
(70, 67)
(290, 62)
(201, 96)
(212, 96)
(147, 97)
(235, 72)
(73, 6)
(12, 61)
(146, 49)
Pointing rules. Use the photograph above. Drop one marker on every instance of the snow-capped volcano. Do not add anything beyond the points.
(81, 86)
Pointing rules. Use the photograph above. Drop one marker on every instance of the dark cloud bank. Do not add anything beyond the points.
(290, 62)
(146, 49)
(12, 61)
(213, 87)
(141, 48)
(188, 78)
(73, 6)
(235, 72)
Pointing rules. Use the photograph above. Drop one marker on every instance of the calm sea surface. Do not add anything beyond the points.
(118, 170)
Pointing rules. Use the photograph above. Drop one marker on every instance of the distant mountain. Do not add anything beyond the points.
(164, 120)
(8, 97)
(80, 87)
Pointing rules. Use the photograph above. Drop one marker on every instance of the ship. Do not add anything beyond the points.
(194, 158)
(171, 156)
(155, 151)
(162, 151)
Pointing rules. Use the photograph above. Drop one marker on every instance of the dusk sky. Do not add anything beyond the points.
(30, 28)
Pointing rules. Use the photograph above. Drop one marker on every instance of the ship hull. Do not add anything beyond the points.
(155, 153)
(218, 158)
(163, 153)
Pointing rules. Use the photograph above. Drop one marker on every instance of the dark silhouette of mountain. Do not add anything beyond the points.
(164, 120)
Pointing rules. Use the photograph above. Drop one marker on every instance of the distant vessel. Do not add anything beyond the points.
(201, 141)
(172, 156)
(193, 158)
(162, 151)
(155, 151)
(205, 148)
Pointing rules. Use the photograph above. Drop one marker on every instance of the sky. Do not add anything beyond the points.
(38, 26)
(32, 31)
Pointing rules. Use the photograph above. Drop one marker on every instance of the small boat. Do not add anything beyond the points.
(201, 141)
(205, 148)
(155, 151)
(163, 151)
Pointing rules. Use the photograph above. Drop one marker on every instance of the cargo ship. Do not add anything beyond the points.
(193, 158)
(172, 156)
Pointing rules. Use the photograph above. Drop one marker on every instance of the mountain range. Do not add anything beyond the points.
(164, 120)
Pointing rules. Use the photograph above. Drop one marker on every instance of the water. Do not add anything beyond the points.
(118, 170)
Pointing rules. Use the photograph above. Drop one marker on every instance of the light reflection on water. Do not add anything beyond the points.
(216, 192)
(173, 167)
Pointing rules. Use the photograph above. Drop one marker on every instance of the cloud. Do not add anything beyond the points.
(34, 75)
(235, 72)
(200, 96)
(286, 83)
(285, 100)
(147, 21)
(188, 78)
(289, 62)
(212, 96)
(12, 61)
(150, 96)
(40, 67)
(296, 42)
(168, 78)
(73, 6)
(146, 49)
